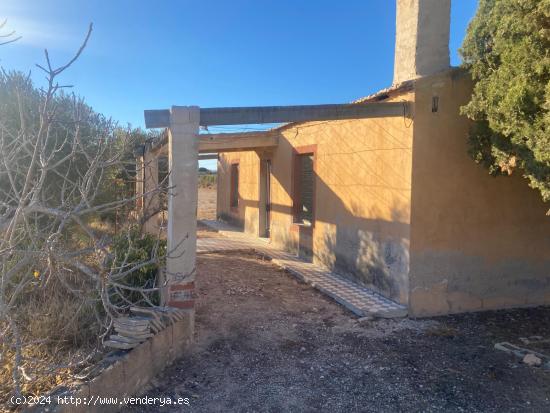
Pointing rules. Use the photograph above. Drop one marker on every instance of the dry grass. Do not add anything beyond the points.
(58, 328)
(207, 180)
(59, 325)
(59, 322)
(38, 375)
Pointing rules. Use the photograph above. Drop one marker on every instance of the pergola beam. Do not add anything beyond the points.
(208, 156)
(304, 113)
(283, 114)
(230, 142)
(213, 143)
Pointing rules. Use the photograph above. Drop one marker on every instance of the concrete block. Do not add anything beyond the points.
(106, 383)
(182, 334)
(138, 367)
(161, 349)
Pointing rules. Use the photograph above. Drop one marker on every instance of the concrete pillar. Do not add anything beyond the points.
(183, 154)
(139, 185)
(151, 201)
(422, 38)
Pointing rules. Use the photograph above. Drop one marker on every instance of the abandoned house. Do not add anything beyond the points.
(381, 191)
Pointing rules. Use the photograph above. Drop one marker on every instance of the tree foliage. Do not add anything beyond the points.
(507, 51)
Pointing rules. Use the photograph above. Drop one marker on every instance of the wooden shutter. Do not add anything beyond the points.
(306, 188)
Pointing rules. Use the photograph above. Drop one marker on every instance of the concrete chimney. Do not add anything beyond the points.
(422, 38)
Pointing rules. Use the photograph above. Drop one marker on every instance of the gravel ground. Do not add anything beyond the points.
(267, 343)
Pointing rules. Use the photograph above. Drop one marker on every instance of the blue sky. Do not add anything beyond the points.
(154, 54)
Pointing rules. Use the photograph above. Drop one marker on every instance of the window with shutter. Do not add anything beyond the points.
(306, 189)
(304, 181)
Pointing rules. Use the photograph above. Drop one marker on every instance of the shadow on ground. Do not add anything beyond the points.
(267, 343)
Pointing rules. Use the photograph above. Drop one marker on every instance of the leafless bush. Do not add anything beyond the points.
(7, 37)
(61, 283)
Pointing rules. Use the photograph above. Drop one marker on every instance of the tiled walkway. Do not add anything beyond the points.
(358, 299)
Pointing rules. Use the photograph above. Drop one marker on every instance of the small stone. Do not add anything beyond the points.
(303, 349)
(532, 360)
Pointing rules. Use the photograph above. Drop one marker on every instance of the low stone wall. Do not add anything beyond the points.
(129, 374)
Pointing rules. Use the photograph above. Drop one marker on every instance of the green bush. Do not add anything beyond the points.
(130, 249)
(506, 50)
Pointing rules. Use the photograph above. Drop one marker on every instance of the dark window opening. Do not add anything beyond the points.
(234, 191)
(304, 193)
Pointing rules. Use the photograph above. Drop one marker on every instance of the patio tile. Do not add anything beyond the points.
(358, 299)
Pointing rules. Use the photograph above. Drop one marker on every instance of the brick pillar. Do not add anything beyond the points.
(151, 201)
(182, 206)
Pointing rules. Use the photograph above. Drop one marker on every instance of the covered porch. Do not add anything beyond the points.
(360, 300)
(184, 146)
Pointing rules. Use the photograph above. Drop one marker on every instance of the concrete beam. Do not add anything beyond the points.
(208, 156)
(230, 142)
(279, 114)
(283, 114)
(157, 118)
(214, 143)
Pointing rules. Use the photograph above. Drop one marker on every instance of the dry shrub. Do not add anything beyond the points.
(38, 376)
(59, 318)
(59, 330)
(207, 181)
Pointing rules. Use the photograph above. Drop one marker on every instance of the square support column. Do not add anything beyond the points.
(151, 201)
(139, 185)
(183, 160)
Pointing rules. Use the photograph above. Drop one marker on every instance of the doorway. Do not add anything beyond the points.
(265, 199)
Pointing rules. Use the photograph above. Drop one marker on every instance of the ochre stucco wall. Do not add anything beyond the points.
(460, 240)
(246, 215)
(362, 196)
(477, 242)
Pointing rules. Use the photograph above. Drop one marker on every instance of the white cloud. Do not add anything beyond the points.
(39, 34)
(35, 32)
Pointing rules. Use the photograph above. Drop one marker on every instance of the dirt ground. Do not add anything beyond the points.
(265, 342)
(207, 203)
